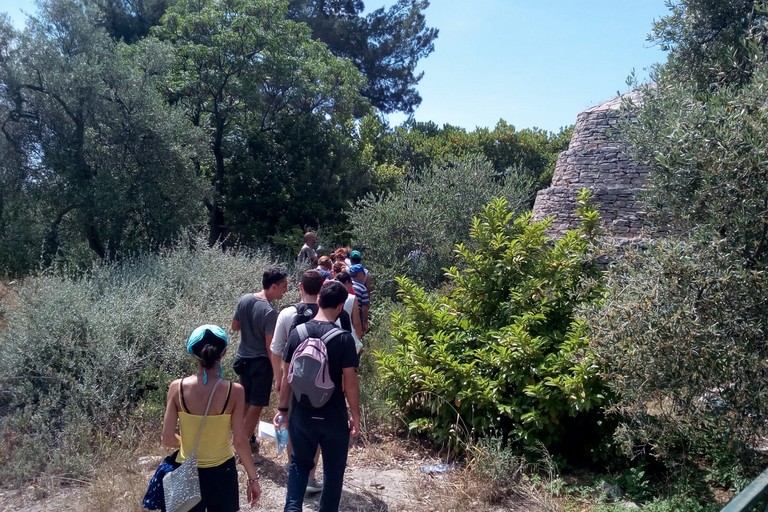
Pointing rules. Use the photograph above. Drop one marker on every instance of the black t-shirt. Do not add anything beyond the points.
(341, 354)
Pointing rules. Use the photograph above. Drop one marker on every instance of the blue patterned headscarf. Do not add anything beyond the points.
(203, 335)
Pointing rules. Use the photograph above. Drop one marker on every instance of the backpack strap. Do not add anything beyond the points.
(304, 334)
(331, 334)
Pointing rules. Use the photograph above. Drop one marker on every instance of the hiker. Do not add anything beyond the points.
(356, 258)
(186, 405)
(287, 320)
(352, 309)
(342, 254)
(307, 255)
(324, 266)
(337, 268)
(363, 299)
(255, 318)
(328, 426)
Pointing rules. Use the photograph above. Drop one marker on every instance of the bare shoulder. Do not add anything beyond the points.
(237, 389)
(174, 385)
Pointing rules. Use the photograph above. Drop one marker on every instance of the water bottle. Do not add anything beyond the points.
(281, 432)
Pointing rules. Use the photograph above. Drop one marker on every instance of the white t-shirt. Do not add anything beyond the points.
(348, 305)
(282, 329)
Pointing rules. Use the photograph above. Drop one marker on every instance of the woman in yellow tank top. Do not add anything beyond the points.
(223, 428)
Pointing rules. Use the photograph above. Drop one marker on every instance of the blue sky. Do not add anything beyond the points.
(530, 62)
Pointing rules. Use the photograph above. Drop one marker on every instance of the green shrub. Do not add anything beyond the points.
(499, 352)
(86, 355)
(682, 338)
(496, 467)
(412, 232)
(678, 503)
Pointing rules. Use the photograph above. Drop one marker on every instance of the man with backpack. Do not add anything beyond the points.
(291, 316)
(319, 362)
(287, 320)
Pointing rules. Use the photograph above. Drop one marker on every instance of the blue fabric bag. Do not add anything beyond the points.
(154, 499)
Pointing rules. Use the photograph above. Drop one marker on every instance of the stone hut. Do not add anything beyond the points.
(596, 159)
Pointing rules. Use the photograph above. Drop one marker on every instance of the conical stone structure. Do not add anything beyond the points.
(596, 159)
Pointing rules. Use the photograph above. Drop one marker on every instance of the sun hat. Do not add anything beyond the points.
(207, 334)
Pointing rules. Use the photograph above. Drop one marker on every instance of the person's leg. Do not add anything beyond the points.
(334, 442)
(251, 419)
(218, 488)
(313, 473)
(258, 397)
(303, 435)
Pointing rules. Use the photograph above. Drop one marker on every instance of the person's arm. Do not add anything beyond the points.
(242, 446)
(277, 370)
(357, 323)
(285, 389)
(236, 318)
(352, 392)
(364, 316)
(270, 323)
(171, 417)
(284, 398)
(277, 345)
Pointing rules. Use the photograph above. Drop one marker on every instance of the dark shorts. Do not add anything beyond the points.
(218, 488)
(256, 377)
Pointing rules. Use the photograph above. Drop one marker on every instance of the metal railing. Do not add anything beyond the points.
(745, 501)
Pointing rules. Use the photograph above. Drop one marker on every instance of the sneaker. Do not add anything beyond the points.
(313, 485)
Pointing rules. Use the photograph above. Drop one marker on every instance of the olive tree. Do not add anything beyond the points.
(95, 153)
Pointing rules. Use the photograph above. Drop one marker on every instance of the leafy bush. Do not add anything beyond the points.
(499, 352)
(85, 356)
(682, 337)
(707, 156)
(682, 332)
(412, 232)
(678, 503)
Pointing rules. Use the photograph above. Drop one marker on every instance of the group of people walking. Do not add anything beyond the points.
(341, 263)
(333, 307)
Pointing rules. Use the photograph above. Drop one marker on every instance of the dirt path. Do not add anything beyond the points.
(378, 478)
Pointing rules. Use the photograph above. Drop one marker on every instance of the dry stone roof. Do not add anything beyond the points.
(597, 159)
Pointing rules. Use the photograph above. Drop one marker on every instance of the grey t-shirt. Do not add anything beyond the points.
(257, 321)
(306, 255)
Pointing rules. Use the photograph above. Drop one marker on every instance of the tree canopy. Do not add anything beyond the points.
(385, 45)
(95, 154)
(713, 42)
(244, 74)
